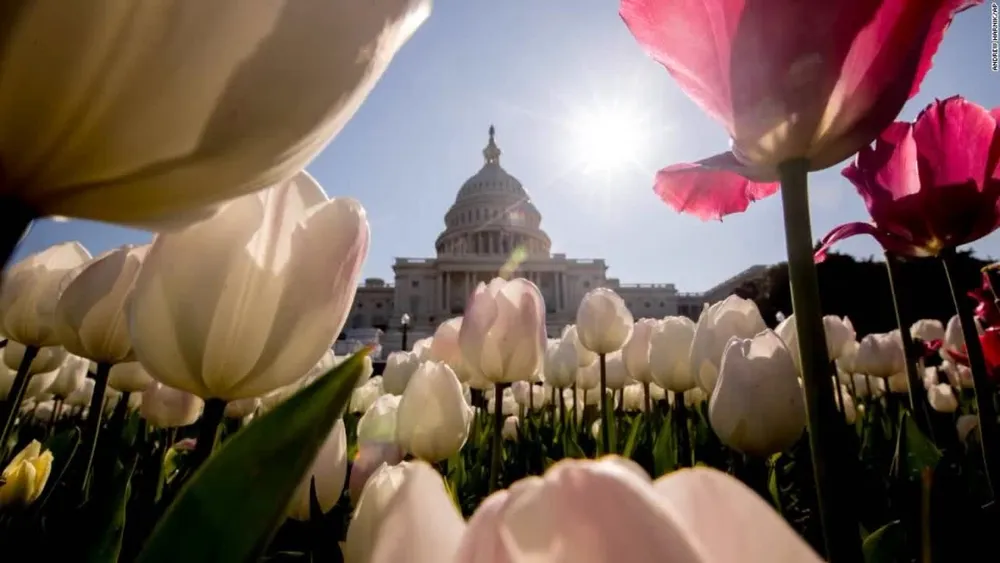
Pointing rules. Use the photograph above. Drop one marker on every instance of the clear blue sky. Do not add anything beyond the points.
(531, 68)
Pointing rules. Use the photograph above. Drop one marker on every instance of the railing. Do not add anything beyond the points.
(646, 286)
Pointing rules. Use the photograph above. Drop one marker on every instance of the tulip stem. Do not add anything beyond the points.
(17, 217)
(842, 539)
(92, 427)
(680, 425)
(985, 407)
(914, 383)
(208, 431)
(497, 434)
(16, 395)
(605, 415)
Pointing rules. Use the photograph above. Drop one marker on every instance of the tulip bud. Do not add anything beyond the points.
(560, 363)
(757, 406)
(399, 367)
(363, 397)
(379, 423)
(289, 251)
(959, 375)
(584, 357)
(603, 322)
(839, 334)
(670, 354)
(166, 407)
(589, 377)
(927, 330)
(954, 339)
(636, 351)
(848, 357)
(422, 348)
(528, 395)
(446, 348)
(25, 476)
(503, 331)
(70, 376)
(81, 396)
(47, 359)
(241, 408)
(634, 398)
(942, 398)
(881, 355)
(848, 409)
(31, 289)
(615, 373)
(328, 471)
(433, 418)
(509, 431)
(716, 325)
(129, 377)
(508, 404)
(90, 316)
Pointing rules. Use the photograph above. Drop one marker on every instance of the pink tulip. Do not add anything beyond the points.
(931, 185)
(585, 511)
(788, 79)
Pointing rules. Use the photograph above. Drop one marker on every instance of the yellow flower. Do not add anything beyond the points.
(24, 478)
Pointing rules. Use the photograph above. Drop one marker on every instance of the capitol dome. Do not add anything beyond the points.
(492, 214)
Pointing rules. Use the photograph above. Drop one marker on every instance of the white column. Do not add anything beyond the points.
(447, 292)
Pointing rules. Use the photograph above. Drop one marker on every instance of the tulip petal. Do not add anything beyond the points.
(890, 242)
(421, 524)
(711, 505)
(955, 138)
(713, 187)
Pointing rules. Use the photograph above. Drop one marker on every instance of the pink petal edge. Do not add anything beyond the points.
(711, 188)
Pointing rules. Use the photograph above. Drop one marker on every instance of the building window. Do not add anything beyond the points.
(415, 283)
(662, 304)
(430, 320)
(646, 304)
(360, 305)
(379, 305)
(586, 284)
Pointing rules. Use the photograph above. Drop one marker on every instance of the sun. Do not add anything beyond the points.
(607, 139)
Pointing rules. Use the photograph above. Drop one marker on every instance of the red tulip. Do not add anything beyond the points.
(788, 79)
(990, 339)
(931, 185)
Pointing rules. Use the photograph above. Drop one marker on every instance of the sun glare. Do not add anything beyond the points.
(607, 140)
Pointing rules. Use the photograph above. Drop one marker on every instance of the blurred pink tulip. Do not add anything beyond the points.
(370, 456)
(931, 185)
(788, 79)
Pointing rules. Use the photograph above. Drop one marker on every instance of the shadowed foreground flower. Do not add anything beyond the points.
(825, 79)
(688, 516)
(931, 185)
(266, 285)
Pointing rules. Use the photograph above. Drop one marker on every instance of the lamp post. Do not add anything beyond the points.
(404, 323)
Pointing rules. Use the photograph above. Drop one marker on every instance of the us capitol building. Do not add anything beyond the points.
(491, 221)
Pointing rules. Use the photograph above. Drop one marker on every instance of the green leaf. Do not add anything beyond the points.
(106, 513)
(633, 437)
(233, 505)
(572, 448)
(664, 448)
(886, 544)
(63, 447)
(914, 450)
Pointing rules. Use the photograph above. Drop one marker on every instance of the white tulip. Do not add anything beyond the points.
(717, 324)
(560, 363)
(363, 397)
(445, 348)
(942, 398)
(328, 471)
(927, 330)
(509, 430)
(954, 339)
(148, 111)
(433, 418)
(399, 368)
(287, 251)
(615, 374)
(636, 351)
(241, 408)
(757, 406)
(571, 336)
(670, 354)
(380, 421)
(508, 405)
(422, 348)
(167, 407)
(71, 374)
(81, 396)
(965, 426)
(589, 377)
(46, 359)
(958, 374)
(839, 334)
(129, 377)
(881, 355)
(603, 322)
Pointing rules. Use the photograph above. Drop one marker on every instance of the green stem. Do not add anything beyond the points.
(842, 539)
(985, 407)
(16, 394)
(92, 427)
(680, 425)
(497, 434)
(605, 415)
(208, 431)
(914, 383)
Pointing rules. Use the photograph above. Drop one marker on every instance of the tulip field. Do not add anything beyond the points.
(180, 401)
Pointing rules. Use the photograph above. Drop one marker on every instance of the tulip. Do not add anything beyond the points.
(25, 476)
(363, 397)
(589, 378)
(633, 399)
(929, 186)
(942, 398)
(847, 407)
(399, 368)
(616, 374)
(528, 395)
(82, 395)
(560, 363)
(90, 318)
(670, 354)
(289, 251)
(881, 355)
(965, 426)
(508, 405)
(636, 351)
(328, 472)
(241, 408)
(927, 330)
(678, 517)
(990, 341)
(503, 330)
(603, 322)
(717, 324)
(819, 97)
(167, 407)
(757, 406)
(129, 377)
(584, 357)
(839, 334)
(31, 289)
(445, 348)
(422, 348)
(433, 418)
(370, 457)
(205, 102)
(70, 377)
(46, 359)
(380, 421)
(510, 430)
